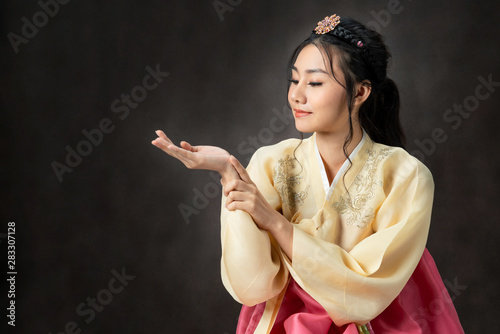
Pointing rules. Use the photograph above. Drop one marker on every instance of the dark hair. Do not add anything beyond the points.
(362, 55)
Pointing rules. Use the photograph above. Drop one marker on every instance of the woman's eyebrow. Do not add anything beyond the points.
(311, 70)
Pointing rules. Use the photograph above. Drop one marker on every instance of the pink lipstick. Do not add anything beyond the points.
(301, 113)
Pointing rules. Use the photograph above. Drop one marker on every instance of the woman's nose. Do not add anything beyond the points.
(297, 93)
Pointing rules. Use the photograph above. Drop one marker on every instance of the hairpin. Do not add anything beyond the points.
(328, 24)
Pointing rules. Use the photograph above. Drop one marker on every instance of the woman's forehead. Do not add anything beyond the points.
(310, 57)
(313, 56)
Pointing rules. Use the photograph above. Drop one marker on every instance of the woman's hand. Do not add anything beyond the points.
(244, 195)
(198, 157)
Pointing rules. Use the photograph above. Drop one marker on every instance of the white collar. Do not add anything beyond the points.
(329, 187)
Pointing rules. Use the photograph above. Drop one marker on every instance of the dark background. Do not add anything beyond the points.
(119, 207)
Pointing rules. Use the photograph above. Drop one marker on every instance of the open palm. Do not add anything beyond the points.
(195, 157)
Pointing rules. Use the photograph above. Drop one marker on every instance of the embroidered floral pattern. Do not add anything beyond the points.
(285, 184)
(355, 209)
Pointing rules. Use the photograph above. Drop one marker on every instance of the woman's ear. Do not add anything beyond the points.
(363, 91)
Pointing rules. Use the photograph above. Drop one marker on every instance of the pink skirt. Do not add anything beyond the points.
(423, 306)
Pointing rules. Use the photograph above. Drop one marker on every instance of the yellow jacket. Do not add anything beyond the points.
(353, 251)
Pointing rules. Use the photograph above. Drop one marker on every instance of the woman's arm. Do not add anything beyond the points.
(243, 194)
(251, 266)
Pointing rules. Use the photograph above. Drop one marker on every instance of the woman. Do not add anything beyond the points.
(327, 234)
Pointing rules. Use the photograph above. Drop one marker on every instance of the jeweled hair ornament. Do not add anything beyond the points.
(329, 23)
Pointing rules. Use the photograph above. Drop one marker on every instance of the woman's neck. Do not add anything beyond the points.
(331, 148)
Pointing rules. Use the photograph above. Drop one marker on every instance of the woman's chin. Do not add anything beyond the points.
(303, 127)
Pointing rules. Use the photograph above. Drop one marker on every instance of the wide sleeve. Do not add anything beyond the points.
(251, 267)
(357, 285)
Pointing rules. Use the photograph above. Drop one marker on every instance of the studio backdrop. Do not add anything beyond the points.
(111, 235)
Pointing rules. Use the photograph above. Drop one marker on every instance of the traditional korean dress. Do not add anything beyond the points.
(359, 258)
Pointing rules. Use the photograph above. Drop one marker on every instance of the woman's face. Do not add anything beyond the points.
(318, 101)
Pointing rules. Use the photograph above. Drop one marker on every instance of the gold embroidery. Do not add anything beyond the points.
(355, 210)
(285, 184)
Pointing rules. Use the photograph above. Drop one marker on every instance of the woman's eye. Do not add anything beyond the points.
(312, 83)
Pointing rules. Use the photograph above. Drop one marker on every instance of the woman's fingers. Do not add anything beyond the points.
(236, 199)
(187, 146)
(161, 144)
(230, 186)
(162, 135)
(184, 144)
(185, 156)
(241, 170)
(236, 185)
(181, 152)
(162, 141)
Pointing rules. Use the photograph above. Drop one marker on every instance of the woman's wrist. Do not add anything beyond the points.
(279, 225)
(282, 231)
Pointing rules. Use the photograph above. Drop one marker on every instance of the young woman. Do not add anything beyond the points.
(327, 234)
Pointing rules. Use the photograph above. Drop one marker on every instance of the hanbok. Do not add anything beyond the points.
(359, 261)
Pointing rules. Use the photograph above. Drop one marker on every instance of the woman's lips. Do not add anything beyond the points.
(301, 113)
